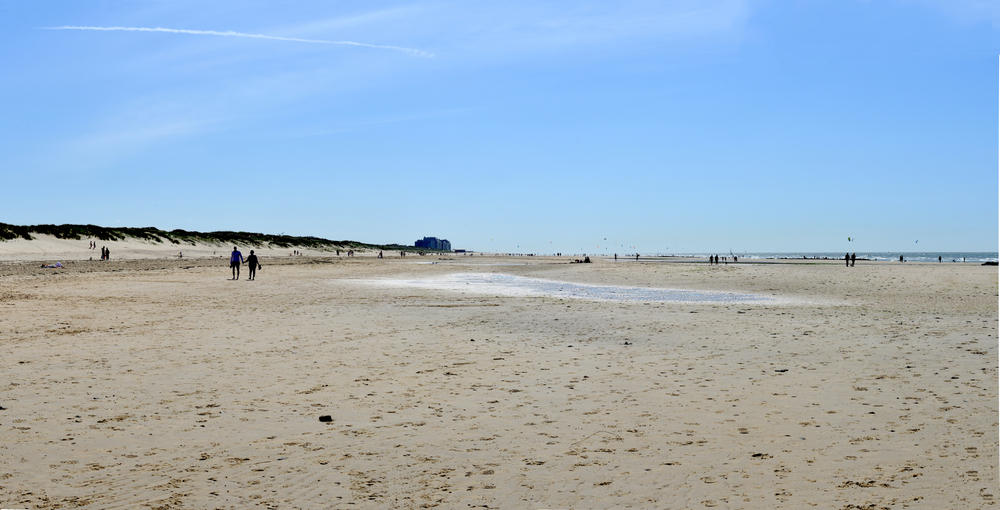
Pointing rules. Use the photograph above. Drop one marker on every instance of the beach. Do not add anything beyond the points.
(159, 382)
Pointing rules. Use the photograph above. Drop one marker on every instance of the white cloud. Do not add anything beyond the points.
(230, 33)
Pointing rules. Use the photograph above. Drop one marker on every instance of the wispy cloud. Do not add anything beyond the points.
(230, 33)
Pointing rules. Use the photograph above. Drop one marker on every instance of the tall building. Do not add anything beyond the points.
(433, 243)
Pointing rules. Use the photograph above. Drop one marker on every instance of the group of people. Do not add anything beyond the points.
(714, 259)
(105, 252)
(236, 258)
(849, 259)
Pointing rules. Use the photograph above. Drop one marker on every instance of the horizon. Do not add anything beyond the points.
(683, 127)
(602, 253)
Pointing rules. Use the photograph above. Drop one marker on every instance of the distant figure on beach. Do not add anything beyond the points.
(338, 253)
(939, 259)
(586, 260)
(847, 260)
(900, 258)
(252, 265)
(616, 257)
(854, 256)
(380, 254)
(180, 254)
(735, 260)
(234, 262)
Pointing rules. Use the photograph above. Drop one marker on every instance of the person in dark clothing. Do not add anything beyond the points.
(854, 256)
(234, 262)
(252, 265)
(847, 259)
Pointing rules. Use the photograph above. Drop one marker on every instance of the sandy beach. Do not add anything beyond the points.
(160, 383)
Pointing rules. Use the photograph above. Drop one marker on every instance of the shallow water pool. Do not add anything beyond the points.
(511, 285)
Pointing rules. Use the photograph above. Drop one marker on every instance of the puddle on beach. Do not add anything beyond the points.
(469, 263)
(510, 285)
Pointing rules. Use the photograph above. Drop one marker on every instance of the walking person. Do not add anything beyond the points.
(847, 260)
(252, 265)
(854, 256)
(234, 262)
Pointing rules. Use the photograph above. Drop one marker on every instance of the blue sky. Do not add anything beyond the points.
(687, 126)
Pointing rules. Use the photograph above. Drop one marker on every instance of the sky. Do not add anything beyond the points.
(577, 127)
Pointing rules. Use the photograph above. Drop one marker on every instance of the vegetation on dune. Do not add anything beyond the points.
(178, 236)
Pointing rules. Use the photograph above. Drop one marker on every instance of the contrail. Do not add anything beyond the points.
(230, 33)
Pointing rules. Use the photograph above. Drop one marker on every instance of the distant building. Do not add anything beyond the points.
(433, 243)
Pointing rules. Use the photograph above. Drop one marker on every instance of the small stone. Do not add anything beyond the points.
(326, 418)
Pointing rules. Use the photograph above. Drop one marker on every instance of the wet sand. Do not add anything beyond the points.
(161, 383)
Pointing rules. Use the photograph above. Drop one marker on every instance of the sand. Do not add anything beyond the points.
(49, 248)
(161, 383)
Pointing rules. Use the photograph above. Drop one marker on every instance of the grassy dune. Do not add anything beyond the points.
(179, 237)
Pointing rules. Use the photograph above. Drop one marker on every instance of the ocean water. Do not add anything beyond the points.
(977, 257)
(511, 285)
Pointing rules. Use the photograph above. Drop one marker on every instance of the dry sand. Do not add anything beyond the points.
(161, 383)
(52, 249)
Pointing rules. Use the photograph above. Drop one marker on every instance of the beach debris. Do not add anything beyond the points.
(781, 370)
(627, 343)
(2, 408)
(326, 418)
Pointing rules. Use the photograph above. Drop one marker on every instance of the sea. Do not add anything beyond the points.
(971, 257)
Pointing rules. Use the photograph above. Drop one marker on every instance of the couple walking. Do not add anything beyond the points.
(236, 258)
